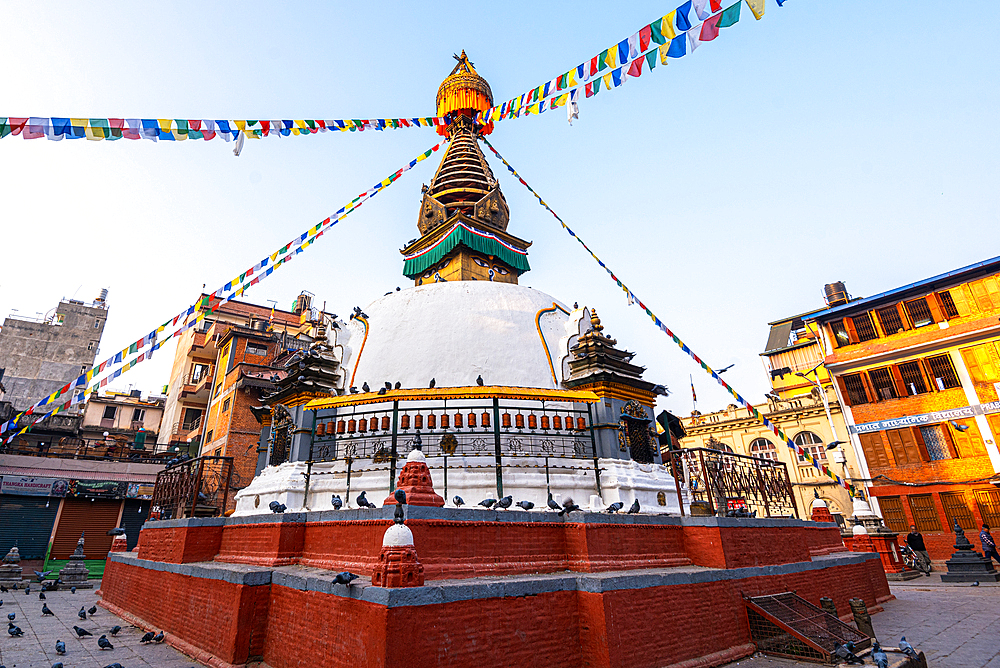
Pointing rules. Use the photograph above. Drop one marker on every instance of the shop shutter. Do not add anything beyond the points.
(26, 523)
(93, 518)
(136, 512)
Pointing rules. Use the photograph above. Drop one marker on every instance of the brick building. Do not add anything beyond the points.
(918, 372)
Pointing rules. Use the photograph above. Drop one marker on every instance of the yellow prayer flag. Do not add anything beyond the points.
(611, 59)
(608, 82)
(757, 7)
(180, 136)
(94, 134)
(79, 122)
(571, 79)
(299, 124)
(242, 125)
(667, 25)
(663, 52)
(560, 100)
(164, 124)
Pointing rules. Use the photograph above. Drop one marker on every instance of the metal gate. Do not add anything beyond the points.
(26, 522)
(788, 625)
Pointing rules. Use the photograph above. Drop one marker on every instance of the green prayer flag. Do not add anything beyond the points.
(730, 16)
(561, 82)
(651, 58)
(311, 124)
(656, 31)
(601, 61)
(597, 85)
(132, 349)
(4, 128)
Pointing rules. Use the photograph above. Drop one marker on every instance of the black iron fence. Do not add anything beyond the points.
(197, 487)
(732, 483)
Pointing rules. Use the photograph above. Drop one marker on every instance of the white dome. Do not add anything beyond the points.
(397, 535)
(456, 331)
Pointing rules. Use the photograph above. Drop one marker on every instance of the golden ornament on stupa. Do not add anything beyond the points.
(464, 93)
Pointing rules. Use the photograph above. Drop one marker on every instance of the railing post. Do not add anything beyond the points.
(496, 446)
(309, 462)
(347, 494)
(197, 485)
(677, 482)
(593, 449)
(229, 476)
(704, 479)
(763, 488)
(788, 487)
(392, 459)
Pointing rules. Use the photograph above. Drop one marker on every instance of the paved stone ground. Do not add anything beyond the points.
(955, 626)
(37, 647)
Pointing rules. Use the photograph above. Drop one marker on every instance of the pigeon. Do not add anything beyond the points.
(337, 502)
(487, 503)
(114, 665)
(147, 637)
(354, 390)
(843, 653)
(400, 496)
(552, 504)
(397, 385)
(505, 503)
(975, 584)
(72, 590)
(276, 507)
(46, 611)
(158, 638)
(82, 613)
(880, 658)
(27, 590)
(363, 502)
(568, 507)
(117, 531)
(41, 574)
(41, 596)
(458, 501)
(60, 647)
(906, 648)
(525, 505)
(115, 630)
(82, 632)
(634, 509)
(92, 610)
(365, 387)
(15, 586)
(615, 507)
(432, 383)
(1, 602)
(3, 589)
(388, 385)
(15, 631)
(382, 391)
(345, 578)
(57, 664)
(104, 643)
(479, 380)
(11, 616)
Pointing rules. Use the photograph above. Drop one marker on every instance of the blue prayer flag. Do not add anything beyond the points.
(683, 22)
(623, 51)
(678, 47)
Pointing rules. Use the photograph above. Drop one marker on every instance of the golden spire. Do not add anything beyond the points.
(464, 93)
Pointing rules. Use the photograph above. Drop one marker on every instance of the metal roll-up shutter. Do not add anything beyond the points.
(91, 517)
(136, 512)
(26, 523)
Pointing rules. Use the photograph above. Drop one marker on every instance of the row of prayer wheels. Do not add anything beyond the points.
(445, 421)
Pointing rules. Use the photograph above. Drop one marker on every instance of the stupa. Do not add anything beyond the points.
(468, 385)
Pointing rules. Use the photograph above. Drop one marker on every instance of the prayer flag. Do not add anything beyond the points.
(710, 28)
(693, 39)
(699, 9)
(716, 5)
(656, 32)
(651, 59)
(644, 36)
(667, 25)
(678, 48)
(623, 51)
(731, 16)
(635, 69)
(593, 65)
(633, 47)
(602, 61)
(757, 7)
(589, 88)
(683, 22)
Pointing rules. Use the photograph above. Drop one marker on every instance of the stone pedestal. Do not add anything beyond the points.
(820, 511)
(415, 480)
(967, 565)
(861, 542)
(119, 544)
(10, 568)
(398, 565)
(75, 573)
(885, 543)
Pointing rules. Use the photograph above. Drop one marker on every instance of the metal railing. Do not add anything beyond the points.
(729, 482)
(194, 488)
(94, 449)
(185, 427)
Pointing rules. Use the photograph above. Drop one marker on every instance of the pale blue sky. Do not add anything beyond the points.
(845, 140)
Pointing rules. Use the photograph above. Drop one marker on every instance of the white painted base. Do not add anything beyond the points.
(472, 478)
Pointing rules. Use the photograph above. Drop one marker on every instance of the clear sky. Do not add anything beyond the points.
(844, 140)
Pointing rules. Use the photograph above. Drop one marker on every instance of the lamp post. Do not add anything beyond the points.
(826, 407)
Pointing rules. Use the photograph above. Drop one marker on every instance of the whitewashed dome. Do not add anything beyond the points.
(458, 330)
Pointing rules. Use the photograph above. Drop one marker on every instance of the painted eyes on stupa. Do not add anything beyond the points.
(481, 262)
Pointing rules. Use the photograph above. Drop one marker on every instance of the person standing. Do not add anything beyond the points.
(916, 542)
(989, 546)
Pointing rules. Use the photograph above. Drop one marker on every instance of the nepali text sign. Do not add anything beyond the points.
(927, 418)
(30, 486)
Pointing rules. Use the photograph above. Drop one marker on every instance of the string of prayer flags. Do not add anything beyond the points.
(175, 129)
(211, 302)
(800, 451)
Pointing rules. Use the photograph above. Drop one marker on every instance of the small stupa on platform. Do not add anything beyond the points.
(820, 511)
(415, 480)
(398, 565)
(10, 568)
(75, 573)
(967, 565)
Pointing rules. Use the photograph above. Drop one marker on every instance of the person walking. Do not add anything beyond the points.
(989, 546)
(916, 542)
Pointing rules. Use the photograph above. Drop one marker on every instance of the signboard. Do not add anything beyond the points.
(926, 418)
(138, 490)
(106, 489)
(736, 503)
(30, 486)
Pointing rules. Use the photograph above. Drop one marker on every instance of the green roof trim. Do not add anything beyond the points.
(487, 245)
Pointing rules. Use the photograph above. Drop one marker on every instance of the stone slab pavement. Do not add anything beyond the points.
(955, 626)
(37, 647)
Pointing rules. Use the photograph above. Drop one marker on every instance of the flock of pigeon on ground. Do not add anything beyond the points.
(490, 504)
(845, 653)
(52, 585)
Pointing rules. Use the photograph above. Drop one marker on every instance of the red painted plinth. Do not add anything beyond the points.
(119, 544)
(822, 514)
(888, 551)
(398, 566)
(415, 480)
(862, 543)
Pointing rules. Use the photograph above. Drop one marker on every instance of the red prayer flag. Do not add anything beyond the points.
(593, 69)
(589, 89)
(710, 28)
(644, 36)
(635, 70)
(716, 5)
(16, 124)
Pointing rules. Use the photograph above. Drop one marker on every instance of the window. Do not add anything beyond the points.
(90, 346)
(83, 369)
(924, 513)
(874, 449)
(919, 312)
(97, 324)
(891, 322)
(225, 405)
(981, 361)
(943, 372)
(988, 501)
(864, 327)
(840, 333)
(761, 447)
(138, 414)
(904, 446)
(913, 378)
(218, 452)
(208, 436)
(948, 305)
(855, 387)
(110, 412)
(936, 442)
(882, 383)
(955, 508)
(892, 512)
(256, 350)
(812, 444)
(198, 372)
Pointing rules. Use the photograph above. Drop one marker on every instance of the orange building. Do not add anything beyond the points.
(918, 373)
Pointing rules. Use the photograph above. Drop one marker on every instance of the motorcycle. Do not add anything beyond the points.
(915, 561)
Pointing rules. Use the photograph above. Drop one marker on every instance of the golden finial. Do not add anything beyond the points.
(595, 322)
